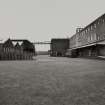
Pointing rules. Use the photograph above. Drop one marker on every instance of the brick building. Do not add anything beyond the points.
(89, 41)
(23, 51)
(59, 47)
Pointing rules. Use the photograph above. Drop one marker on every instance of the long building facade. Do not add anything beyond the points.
(17, 51)
(89, 41)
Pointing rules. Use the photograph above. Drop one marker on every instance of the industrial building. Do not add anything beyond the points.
(89, 41)
(59, 47)
(16, 50)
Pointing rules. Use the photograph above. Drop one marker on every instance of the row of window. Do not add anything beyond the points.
(90, 28)
(11, 50)
(73, 41)
(8, 50)
(93, 26)
(88, 34)
(101, 37)
(87, 38)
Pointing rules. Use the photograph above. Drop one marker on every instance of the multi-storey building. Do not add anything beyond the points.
(89, 41)
(23, 51)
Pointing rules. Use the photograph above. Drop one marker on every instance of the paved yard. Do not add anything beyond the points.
(52, 81)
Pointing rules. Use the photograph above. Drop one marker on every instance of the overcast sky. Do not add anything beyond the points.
(41, 20)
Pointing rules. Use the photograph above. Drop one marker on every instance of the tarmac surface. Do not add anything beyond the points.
(52, 81)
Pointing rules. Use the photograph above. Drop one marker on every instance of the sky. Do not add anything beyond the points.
(41, 20)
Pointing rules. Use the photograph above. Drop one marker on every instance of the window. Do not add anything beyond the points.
(82, 33)
(103, 20)
(91, 27)
(86, 30)
(98, 22)
(95, 26)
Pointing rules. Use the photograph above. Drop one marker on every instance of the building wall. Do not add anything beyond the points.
(59, 47)
(101, 50)
(100, 31)
(89, 36)
(11, 52)
(92, 33)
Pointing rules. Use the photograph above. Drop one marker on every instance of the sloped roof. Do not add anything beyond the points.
(17, 46)
(8, 43)
(27, 44)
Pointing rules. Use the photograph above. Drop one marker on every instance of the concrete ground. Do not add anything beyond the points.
(52, 81)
